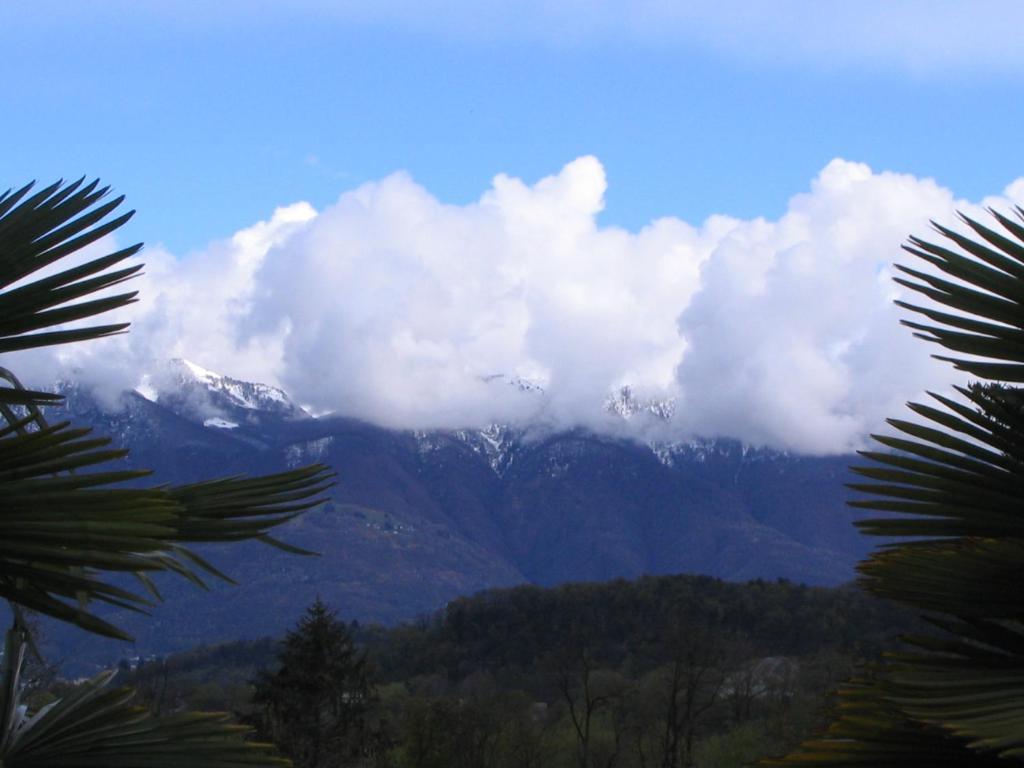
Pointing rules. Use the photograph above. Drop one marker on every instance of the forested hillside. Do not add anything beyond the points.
(726, 672)
(417, 519)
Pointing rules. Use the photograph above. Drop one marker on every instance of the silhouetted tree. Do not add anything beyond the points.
(314, 706)
(589, 693)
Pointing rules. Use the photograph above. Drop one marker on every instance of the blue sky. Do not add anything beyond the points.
(209, 118)
(381, 205)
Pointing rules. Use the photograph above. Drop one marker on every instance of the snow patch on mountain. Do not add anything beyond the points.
(627, 405)
(197, 371)
(147, 390)
(219, 423)
(704, 449)
(496, 444)
(307, 452)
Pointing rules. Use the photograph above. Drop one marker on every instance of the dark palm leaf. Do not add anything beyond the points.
(59, 530)
(873, 732)
(37, 231)
(986, 292)
(97, 726)
(970, 682)
(951, 485)
(964, 576)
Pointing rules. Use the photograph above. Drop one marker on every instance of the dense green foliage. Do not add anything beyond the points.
(670, 670)
(954, 479)
(313, 706)
(624, 622)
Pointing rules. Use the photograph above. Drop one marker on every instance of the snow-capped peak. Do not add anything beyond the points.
(240, 394)
(200, 373)
(146, 389)
(212, 398)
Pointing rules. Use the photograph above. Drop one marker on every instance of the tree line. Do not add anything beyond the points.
(667, 671)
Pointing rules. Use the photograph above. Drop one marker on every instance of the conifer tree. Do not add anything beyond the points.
(314, 706)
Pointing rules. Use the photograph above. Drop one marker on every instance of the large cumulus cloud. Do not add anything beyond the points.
(401, 309)
(391, 306)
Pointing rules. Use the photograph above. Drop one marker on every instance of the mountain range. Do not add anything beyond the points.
(417, 518)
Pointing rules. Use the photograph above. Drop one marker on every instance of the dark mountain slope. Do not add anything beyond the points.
(417, 519)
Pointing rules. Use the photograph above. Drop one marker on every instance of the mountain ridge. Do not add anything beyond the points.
(418, 518)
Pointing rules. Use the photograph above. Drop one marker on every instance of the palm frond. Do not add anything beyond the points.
(986, 292)
(98, 726)
(963, 576)
(951, 485)
(969, 682)
(37, 231)
(873, 732)
(61, 528)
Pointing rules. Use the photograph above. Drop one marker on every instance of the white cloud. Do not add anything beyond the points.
(395, 300)
(392, 306)
(794, 340)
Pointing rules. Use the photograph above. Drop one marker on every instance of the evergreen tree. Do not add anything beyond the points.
(314, 706)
